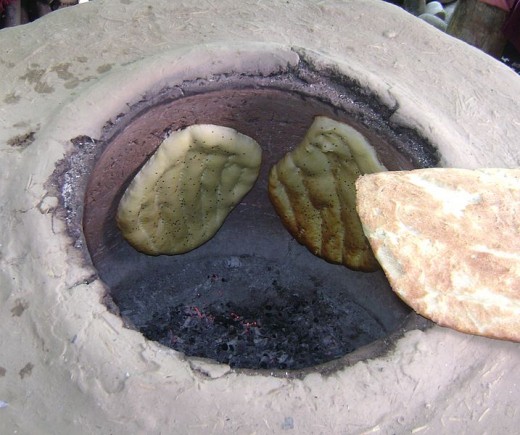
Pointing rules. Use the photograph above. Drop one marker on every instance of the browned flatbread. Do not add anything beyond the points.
(449, 242)
(312, 190)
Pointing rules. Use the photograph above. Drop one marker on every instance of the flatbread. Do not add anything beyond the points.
(312, 190)
(449, 243)
(183, 194)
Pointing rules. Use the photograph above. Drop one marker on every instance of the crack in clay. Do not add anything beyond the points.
(85, 281)
(208, 370)
(48, 204)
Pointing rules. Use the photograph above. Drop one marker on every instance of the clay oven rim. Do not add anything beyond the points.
(87, 354)
(312, 91)
(173, 111)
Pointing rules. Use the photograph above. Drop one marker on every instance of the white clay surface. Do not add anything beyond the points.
(67, 366)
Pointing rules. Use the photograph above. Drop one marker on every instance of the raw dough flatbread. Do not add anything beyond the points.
(312, 189)
(182, 195)
(449, 242)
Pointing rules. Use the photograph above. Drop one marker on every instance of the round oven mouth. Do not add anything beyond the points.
(251, 287)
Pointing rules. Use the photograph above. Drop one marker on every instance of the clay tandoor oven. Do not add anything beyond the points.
(251, 297)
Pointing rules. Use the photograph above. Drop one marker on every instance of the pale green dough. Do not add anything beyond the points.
(183, 194)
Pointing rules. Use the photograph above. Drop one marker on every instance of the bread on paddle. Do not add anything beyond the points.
(449, 243)
(312, 189)
(183, 194)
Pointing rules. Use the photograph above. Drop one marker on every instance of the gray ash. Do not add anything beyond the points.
(252, 312)
(293, 333)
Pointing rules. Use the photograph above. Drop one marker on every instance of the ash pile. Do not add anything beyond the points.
(291, 331)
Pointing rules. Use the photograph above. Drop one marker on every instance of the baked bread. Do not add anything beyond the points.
(449, 243)
(182, 195)
(312, 189)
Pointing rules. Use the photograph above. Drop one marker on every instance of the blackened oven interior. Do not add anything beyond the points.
(251, 297)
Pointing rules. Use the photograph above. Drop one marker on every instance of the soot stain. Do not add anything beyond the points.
(104, 68)
(20, 306)
(26, 371)
(71, 83)
(74, 82)
(22, 141)
(12, 98)
(35, 76)
(7, 64)
(3, 371)
(62, 70)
